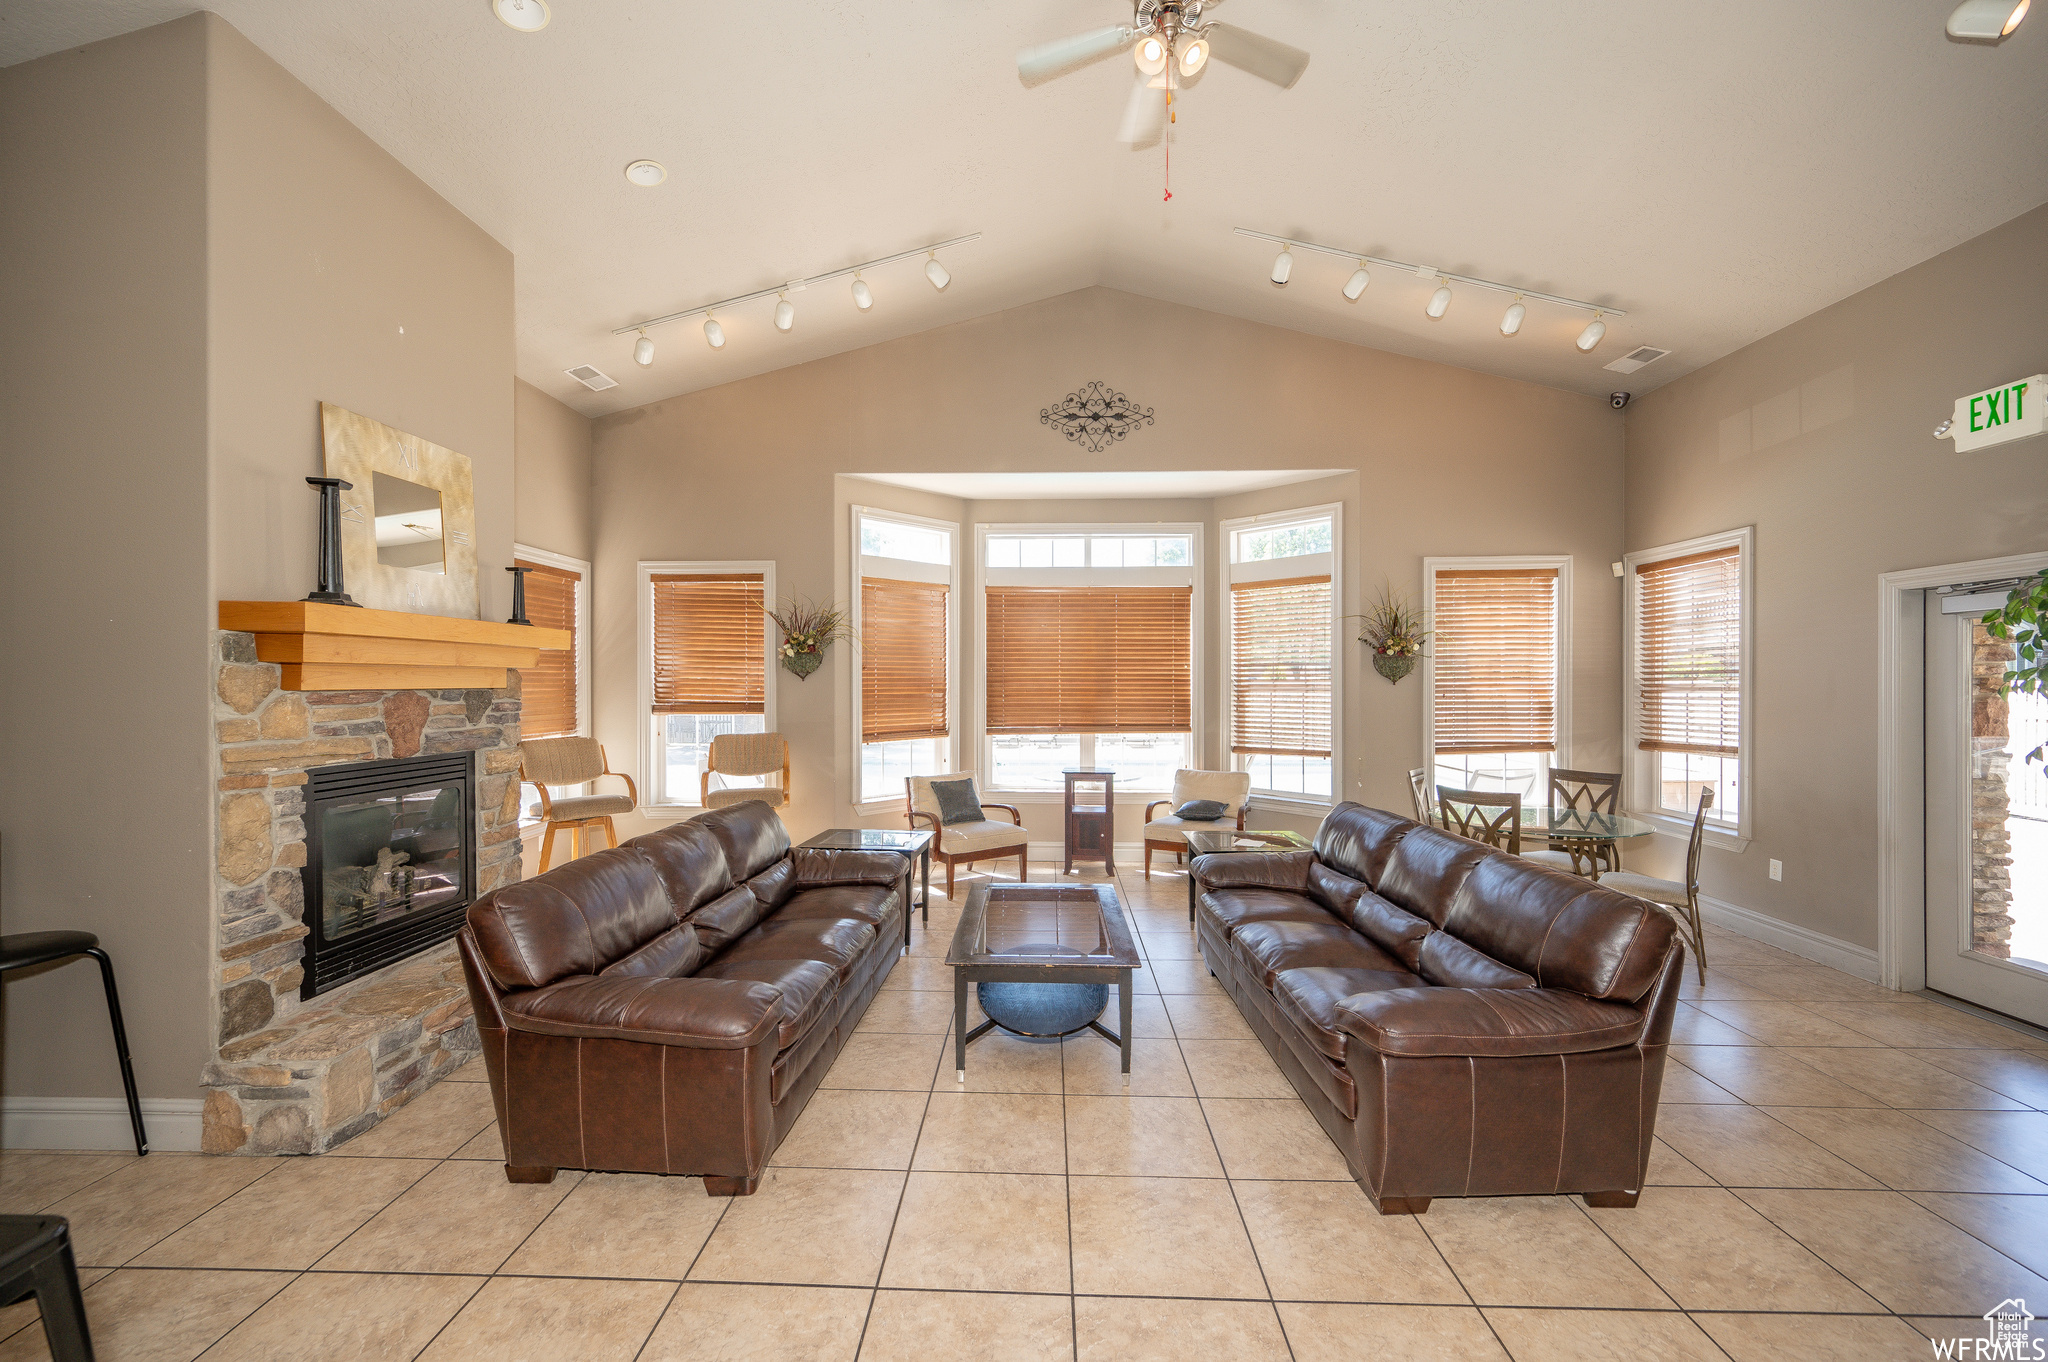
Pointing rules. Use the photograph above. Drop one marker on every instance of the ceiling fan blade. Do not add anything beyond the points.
(1145, 115)
(1266, 58)
(1061, 55)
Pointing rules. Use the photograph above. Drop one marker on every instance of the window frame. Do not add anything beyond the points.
(650, 743)
(1561, 755)
(1640, 765)
(1195, 574)
(862, 805)
(1263, 569)
(581, 631)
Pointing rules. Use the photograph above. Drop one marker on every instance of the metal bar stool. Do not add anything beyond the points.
(35, 1260)
(23, 949)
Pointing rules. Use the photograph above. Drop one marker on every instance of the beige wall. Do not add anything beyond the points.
(1819, 435)
(551, 445)
(1447, 461)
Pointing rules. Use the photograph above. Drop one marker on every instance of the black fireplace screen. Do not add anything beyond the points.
(390, 862)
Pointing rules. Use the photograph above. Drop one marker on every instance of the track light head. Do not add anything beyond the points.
(714, 334)
(936, 272)
(1357, 283)
(1150, 54)
(643, 351)
(785, 312)
(1511, 321)
(1440, 301)
(1986, 21)
(863, 296)
(1283, 265)
(1595, 329)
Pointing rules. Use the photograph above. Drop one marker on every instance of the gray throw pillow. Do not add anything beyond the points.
(1201, 810)
(958, 802)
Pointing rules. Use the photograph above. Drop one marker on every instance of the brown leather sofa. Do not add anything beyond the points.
(670, 1005)
(1461, 1021)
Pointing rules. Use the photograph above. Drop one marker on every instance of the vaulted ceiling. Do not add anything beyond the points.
(1718, 170)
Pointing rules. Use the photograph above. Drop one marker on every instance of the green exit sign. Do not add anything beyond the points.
(2011, 411)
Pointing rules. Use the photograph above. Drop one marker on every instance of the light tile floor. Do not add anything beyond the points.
(1841, 1172)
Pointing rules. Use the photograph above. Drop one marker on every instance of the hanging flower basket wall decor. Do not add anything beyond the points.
(808, 629)
(1392, 628)
(1393, 666)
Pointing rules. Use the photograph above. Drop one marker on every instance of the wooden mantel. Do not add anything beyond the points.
(339, 647)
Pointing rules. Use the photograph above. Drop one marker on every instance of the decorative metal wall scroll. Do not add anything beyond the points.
(1095, 416)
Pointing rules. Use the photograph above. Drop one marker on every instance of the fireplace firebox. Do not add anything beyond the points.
(390, 862)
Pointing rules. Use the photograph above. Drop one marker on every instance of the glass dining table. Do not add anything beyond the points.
(1580, 831)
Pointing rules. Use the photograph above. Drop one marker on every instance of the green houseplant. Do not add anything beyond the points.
(1392, 628)
(808, 629)
(2023, 622)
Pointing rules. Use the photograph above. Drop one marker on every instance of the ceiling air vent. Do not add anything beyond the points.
(597, 381)
(1630, 362)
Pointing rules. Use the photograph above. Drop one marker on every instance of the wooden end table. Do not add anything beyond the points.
(1091, 827)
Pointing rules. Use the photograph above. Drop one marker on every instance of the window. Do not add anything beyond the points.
(903, 696)
(1689, 656)
(554, 693)
(1088, 653)
(706, 642)
(1283, 629)
(1496, 669)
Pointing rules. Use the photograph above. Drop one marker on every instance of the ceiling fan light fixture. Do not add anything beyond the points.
(1150, 54)
(1986, 21)
(1595, 329)
(1191, 54)
(785, 312)
(1439, 302)
(863, 296)
(643, 351)
(714, 334)
(1283, 265)
(936, 272)
(1357, 283)
(527, 16)
(1511, 321)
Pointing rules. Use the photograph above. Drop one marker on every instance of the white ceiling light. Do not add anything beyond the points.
(936, 272)
(1150, 54)
(1283, 265)
(1191, 54)
(785, 312)
(647, 174)
(714, 334)
(863, 296)
(643, 351)
(1986, 20)
(1590, 337)
(1511, 321)
(1357, 283)
(1439, 302)
(528, 16)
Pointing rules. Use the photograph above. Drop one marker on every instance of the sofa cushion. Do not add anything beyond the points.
(1309, 999)
(773, 885)
(1487, 1021)
(710, 1014)
(1426, 871)
(573, 920)
(1561, 930)
(1450, 963)
(865, 902)
(750, 834)
(671, 955)
(1268, 947)
(1232, 908)
(690, 862)
(809, 988)
(727, 918)
(838, 942)
(1394, 930)
(1357, 841)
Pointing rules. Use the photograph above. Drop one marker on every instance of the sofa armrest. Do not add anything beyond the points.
(817, 866)
(702, 1014)
(1487, 1021)
(1284, 870)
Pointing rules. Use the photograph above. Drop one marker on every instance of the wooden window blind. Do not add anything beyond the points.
(1494, 643)
(710, 633)
(902, 660)
(1090, 659)
(548, 688)
(1280, 667)
(1689, 651)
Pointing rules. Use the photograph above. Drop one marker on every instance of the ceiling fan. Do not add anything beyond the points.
(1171, 44)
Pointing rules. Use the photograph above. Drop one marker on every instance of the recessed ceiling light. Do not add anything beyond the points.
(528, 16)
(647, 174)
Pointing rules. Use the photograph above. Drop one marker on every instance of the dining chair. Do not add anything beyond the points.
(573, 761)
(747, 754)
(1418, 793)
(21, 950)
(1682, 901)
(1587, 792)
(1466, 812)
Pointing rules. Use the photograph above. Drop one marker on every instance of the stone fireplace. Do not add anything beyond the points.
(299, 1068)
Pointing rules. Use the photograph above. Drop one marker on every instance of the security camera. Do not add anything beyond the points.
(1618, 400)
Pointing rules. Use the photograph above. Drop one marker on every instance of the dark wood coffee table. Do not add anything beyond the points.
(1063, 943)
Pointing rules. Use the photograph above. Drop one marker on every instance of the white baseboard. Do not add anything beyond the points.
(1125, 852)
(1819, 947)
(98, 1123)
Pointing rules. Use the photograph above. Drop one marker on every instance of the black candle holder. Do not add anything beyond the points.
(331, 591)
(519, 595)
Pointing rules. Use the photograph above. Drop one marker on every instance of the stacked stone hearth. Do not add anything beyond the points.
(302, 1077)
(1990, 802)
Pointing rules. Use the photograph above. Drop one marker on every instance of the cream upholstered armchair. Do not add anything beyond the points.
(1231, 789)
(573, 761)
(747, 754)
(957, 844)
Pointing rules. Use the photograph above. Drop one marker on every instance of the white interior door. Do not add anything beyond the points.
(1987, 831)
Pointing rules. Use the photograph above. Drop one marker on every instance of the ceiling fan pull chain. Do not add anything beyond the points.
(1166, 142)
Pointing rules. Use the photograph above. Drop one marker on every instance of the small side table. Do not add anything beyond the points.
(1091, 827)
(35, 1259)
(913, 847)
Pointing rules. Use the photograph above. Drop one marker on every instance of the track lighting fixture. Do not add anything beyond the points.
(1191, 54)
(863, 296)
(785, 312)
(936, 272)
(1511, 321)
(1357, 283)
(1150, 54)
(1283, 265)
(1986, 21)
(1440, 301)
(643, 351)
(714, 334)
(1595, 329)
